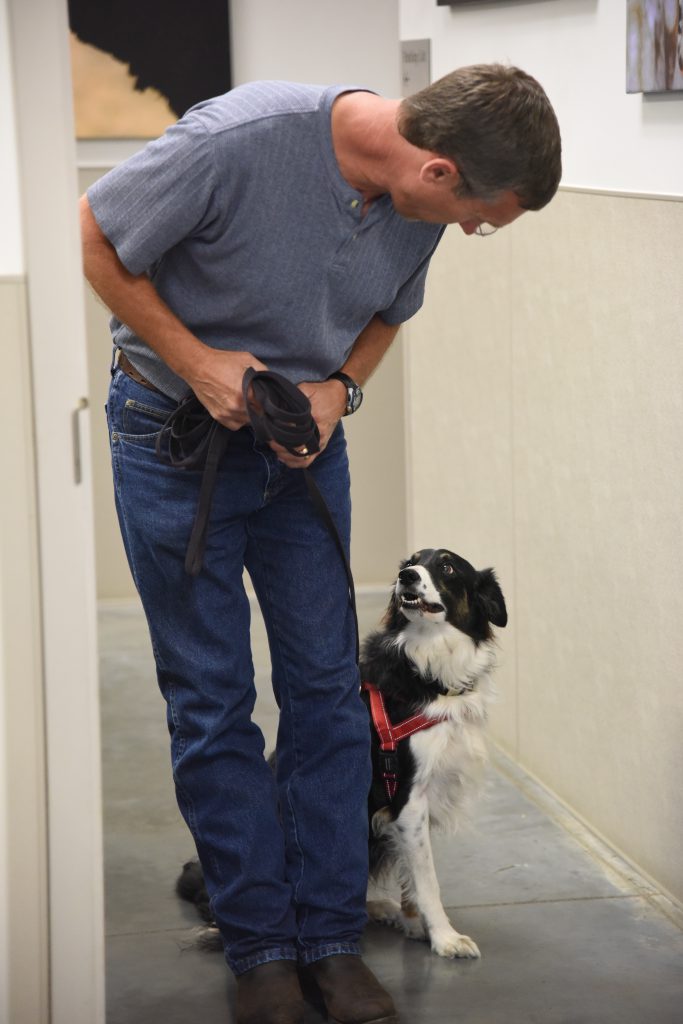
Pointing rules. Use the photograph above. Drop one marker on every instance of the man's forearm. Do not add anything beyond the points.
(369, 348)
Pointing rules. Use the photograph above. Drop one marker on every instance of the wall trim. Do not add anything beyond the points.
(103, 154)
(623, 870)
(622, 193)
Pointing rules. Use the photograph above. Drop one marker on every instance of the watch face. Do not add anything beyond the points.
(353, 402)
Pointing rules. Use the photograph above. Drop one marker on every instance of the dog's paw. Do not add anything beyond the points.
(385, 912)
(452, 944)
(389, 912)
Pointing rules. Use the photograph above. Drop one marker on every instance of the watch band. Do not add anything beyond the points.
(354, 392)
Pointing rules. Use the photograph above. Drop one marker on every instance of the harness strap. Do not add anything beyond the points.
(390, 735)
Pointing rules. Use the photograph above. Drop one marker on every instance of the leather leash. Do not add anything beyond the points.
(281, 412)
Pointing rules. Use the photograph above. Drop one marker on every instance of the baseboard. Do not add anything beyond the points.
(621, 869)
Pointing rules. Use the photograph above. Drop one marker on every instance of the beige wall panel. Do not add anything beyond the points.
(598, 425)
(376, 439)
(545, 430)
(460, 455)
(376, 450)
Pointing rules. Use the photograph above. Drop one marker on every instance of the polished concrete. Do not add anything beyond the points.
(568, 934)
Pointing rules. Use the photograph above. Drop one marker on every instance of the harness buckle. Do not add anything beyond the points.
(388, 763)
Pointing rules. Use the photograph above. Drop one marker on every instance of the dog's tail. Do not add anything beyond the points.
(190, 886)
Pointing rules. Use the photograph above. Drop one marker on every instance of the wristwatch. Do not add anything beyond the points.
(354, 394)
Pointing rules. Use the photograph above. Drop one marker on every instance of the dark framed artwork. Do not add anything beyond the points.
(654, 46)
(138, 65)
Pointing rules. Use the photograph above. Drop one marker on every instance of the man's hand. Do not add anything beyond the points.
(217, 383)
(328, 402)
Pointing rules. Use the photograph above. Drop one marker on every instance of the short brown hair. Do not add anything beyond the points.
(496, 124)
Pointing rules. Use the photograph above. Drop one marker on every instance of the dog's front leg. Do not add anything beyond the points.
(413, 841)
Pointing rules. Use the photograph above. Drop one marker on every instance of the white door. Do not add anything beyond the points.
(47, 165)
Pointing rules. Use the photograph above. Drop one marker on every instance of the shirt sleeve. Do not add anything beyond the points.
(161, 195)
(410, 295)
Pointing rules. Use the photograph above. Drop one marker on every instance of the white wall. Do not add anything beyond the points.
(11, 256)
(577, 50)
(319, 41)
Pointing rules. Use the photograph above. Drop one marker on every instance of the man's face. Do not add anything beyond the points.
(438, 205)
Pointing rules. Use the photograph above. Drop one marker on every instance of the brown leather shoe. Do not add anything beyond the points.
(351, 991)
(270, 994)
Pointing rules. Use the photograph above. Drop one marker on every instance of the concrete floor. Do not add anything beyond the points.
(568, 934)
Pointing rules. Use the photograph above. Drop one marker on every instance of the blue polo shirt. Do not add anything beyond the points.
(241, 218)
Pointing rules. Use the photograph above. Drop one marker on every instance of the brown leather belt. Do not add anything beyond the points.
(124, 363)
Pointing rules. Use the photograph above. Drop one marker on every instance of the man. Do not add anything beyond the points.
(289, 227)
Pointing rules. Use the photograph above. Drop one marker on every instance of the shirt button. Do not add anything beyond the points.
(354, 203)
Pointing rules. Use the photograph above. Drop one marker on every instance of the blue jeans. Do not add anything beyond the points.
(284, 855)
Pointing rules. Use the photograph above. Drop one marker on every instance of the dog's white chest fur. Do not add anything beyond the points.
(449, 762)
(450, 757)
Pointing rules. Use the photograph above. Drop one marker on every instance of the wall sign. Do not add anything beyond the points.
(416, 66)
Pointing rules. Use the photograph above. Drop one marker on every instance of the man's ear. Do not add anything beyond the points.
(440, 171)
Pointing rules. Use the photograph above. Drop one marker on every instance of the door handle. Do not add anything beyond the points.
(76, 439)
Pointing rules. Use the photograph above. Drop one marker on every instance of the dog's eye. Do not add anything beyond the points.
(447, 569)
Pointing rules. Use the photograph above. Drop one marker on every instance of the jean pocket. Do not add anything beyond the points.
(142, 422)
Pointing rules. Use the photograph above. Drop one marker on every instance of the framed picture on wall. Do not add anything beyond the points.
(138, 65)
(654, 46)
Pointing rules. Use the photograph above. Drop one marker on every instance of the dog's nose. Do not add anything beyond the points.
(408, 576)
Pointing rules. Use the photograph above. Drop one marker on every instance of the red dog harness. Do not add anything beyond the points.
(391, 735)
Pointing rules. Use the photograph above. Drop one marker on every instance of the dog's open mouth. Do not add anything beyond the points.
(418, 604)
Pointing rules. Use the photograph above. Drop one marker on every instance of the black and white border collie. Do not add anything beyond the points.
(432, 658)
(431, 662)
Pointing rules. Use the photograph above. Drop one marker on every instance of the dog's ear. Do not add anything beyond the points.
(393, 617)
(489, 597)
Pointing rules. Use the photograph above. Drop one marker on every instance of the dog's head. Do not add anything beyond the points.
(436, 585)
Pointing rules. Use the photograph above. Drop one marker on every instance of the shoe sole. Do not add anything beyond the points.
(393, 1019)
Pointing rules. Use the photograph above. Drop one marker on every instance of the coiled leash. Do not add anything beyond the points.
(281, 412)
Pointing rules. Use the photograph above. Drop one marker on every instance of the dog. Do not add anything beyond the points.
(431, 663)
(427, 683)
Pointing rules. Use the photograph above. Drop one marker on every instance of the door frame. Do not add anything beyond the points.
(46, 147)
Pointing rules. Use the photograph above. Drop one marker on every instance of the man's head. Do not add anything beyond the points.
(496, 125)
